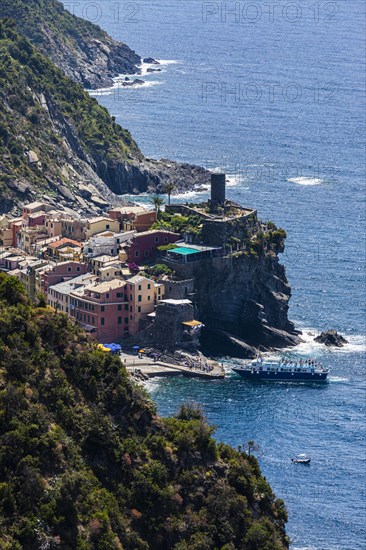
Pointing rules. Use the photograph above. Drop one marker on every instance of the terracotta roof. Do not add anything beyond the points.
(62, 242)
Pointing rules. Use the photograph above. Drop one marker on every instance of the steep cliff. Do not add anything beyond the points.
(86, 463)
(55, 137)
(246, 296)
(241, 293)
(82, 50)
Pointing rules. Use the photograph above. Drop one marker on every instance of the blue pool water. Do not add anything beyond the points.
(274, 95)
(184, 251)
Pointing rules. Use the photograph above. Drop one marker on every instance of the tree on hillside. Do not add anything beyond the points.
(169, 188)
(157, 202)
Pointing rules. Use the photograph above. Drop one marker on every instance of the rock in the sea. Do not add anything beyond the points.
(135, 82)
(331, 338)
(151, 70)
(151, 61)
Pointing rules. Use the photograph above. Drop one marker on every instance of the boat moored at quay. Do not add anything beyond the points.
(284, 370)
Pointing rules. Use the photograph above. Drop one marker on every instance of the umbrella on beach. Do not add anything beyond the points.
(103, 348)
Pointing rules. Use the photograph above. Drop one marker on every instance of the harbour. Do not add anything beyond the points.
(147, 367)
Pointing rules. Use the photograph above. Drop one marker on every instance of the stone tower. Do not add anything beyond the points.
(218, 191)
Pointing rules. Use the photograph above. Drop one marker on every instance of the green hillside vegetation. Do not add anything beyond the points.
(40, 106)
(85, 462)
(32, 16)
(80, 48)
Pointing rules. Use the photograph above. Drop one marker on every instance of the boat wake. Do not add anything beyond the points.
(338, 379)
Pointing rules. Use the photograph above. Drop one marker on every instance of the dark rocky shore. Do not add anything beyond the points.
(81, 49)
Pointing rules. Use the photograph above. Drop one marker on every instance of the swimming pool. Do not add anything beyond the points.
(184, 251)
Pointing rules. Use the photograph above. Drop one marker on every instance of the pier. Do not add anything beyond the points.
(150, 368)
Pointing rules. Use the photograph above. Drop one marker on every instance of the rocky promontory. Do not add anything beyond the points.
(241, 292)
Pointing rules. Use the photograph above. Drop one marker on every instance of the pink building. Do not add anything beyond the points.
(61, 272)
(144, 245)
(16, 226)
(102, 309)
(34, 220)
(53, 225)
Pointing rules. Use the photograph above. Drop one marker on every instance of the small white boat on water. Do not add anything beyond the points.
(301, 459)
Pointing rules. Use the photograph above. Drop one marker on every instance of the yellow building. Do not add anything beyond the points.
(64, 250)
(143, 295)
(99, 225)
(103, 261)
(6, 232)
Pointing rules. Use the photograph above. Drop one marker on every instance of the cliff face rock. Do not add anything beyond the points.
(241, 292)
(55, 137)
(246, 297)
(82, 50)
(151, 175)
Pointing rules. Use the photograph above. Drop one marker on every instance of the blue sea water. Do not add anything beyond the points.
(273, 93)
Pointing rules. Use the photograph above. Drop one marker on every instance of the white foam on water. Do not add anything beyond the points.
(357, 344)
(122, 89)
(306, 181)
(232, 180)
(144, 73)
(168, 62)
(192, 194)
(163, 63)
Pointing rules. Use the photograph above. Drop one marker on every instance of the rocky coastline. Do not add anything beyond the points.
(81, 49)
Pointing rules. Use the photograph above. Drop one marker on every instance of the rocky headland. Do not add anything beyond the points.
(81, 49)
(239, 287)
(60, 145)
